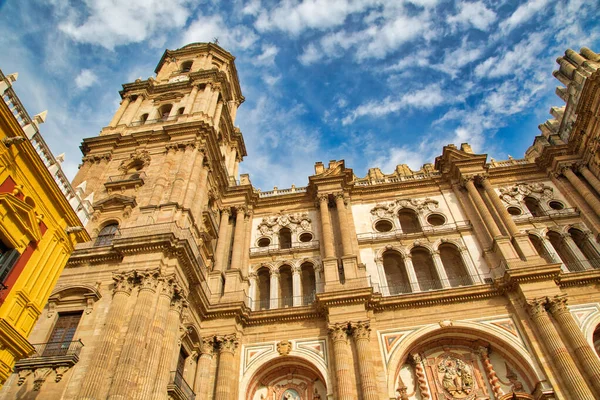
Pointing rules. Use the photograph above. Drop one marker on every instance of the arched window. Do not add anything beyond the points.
(164, 111)
(533, 205)
(180, 110)
(585, 246)
(285, 238)
(563, 252)
(143, 118)
(107, 234)
(539, 247)
(309, 283)
(395, 273)
(263, 289)
(186, 66)
(454, 265)
(596, 339)
(425, 269)
(409, 222)
(286, 286)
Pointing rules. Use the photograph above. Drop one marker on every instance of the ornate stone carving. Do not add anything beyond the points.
(207, 346)
(389, 210)
(535, 307)
(149, 280)
(456, 377)
(558, 304)
(139, 159)
(361, 330)
(338, 332)
(123, 282)
(227, 343)
(518, 192)
(39, 377)
(284, 347)
(294, 222)
(23, 374)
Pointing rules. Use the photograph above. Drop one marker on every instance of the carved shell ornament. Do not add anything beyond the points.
(272, 224)
(138, 159)
(284, 347)
(390, 209)
(518, 192)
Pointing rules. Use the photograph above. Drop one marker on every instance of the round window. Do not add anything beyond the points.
(436, 219)
(305, 237)
(383, 226)
(514, 210)
(556, 205)
(264, 242)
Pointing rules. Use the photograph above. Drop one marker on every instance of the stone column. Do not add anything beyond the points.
(132, 111)
(466, 257)
(193, 181)
(157, 331)
(475, 197)
(439, 268)
(361, 332)
(201, 191)
(129, 366)
(574, 382)
(484, 353)
(246, 249)
(161, 181)
(297, 295)
(169, 344)
(252, 289)
(181, 176)
(342, 356)
(274, 294)
(328, 244)
(582, 261)
(93, 381)
(190, 102)
(202, 381)
(226, 371)
(499, 206)
(590, 178)
(222, 252)
(344, 227)
(318, 278)
(238, 238)
(587, 357)
(588, 196)
(417, 362)
(410, 272)
(469, 210)
(117, 117)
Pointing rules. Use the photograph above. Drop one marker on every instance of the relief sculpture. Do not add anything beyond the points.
(456, 377)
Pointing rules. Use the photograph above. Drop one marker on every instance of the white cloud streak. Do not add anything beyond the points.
(85, 79)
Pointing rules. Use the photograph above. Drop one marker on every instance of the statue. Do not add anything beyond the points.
(457, 378)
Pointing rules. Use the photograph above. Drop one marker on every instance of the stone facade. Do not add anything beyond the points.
(467, 279)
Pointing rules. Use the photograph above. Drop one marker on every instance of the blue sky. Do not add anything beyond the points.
(377, 83)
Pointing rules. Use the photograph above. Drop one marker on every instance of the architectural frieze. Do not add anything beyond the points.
(516, 193)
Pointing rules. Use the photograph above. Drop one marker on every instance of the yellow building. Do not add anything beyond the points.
(38, 227)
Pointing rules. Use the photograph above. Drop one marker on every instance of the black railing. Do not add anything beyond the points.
(56, 349)
(152, 121)
(565, 212)
(283, 302)
(176, 380)
(128, 177)
(582, 265)
(397, 288)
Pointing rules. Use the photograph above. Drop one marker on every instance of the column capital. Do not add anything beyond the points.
(178, 303)
(484, 351)
(296, 269)
(207, 346)
(123, 283)
(149, 280)
(406, 256)
(563, 168)
(274, 273)
(483, 179)
(249, 213)
(338, 332)
(558, 304)
(464, 180)
(226, 210)
(361, 330)
(322, 198)
(252, 275)
(240, 210)
(415, 358)
(170, 286)
(338, 195)
(227, 343)
(536, 307)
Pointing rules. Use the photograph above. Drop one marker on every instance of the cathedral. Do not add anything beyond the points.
(471, 278)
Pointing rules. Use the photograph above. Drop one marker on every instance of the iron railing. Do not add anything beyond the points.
(281, 192)
(399, 234)
(283, 302)
(56, 349)
(565, 212)
(127, 177)
(394, 179)
(153, 121)
(313, 244)
(176, 381)
(582, 265)
(398, 288)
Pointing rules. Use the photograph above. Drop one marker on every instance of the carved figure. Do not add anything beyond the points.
(284, 347)
(519, 191)
(457, 378)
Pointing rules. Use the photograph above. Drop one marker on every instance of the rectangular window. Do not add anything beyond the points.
(62, 334)
(8, 259)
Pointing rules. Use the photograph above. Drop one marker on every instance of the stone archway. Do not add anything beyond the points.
(285, 378)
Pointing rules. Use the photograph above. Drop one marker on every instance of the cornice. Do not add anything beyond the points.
(514, 276)
(566, 279)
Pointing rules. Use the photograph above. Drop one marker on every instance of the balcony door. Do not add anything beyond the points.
(62, 334)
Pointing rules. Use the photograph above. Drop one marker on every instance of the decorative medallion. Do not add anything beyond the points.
(295, 222)
(518, 192)
(284, 347)
(456, 378)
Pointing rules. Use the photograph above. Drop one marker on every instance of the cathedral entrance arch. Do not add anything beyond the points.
(461, 360)
(287, 378)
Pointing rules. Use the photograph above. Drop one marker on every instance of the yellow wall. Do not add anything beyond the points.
(36, 202)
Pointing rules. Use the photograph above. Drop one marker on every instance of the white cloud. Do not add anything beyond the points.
(515, 61)
(206, 28)
(426, 98)
(85, 79)
(523, 14)
(473, 14)
(309, 55)
(271, 79)
(455, 60)
(111, 23)
(267, 57)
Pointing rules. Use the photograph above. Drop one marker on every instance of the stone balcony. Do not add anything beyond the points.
(397, 234)
(178, 388)
(275, 249)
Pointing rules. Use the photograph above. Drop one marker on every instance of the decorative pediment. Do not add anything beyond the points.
(382, 210)
(18, 216)
(115, 202)
(294, 222)
(137, 160)
(334, 168)
(518, 192)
